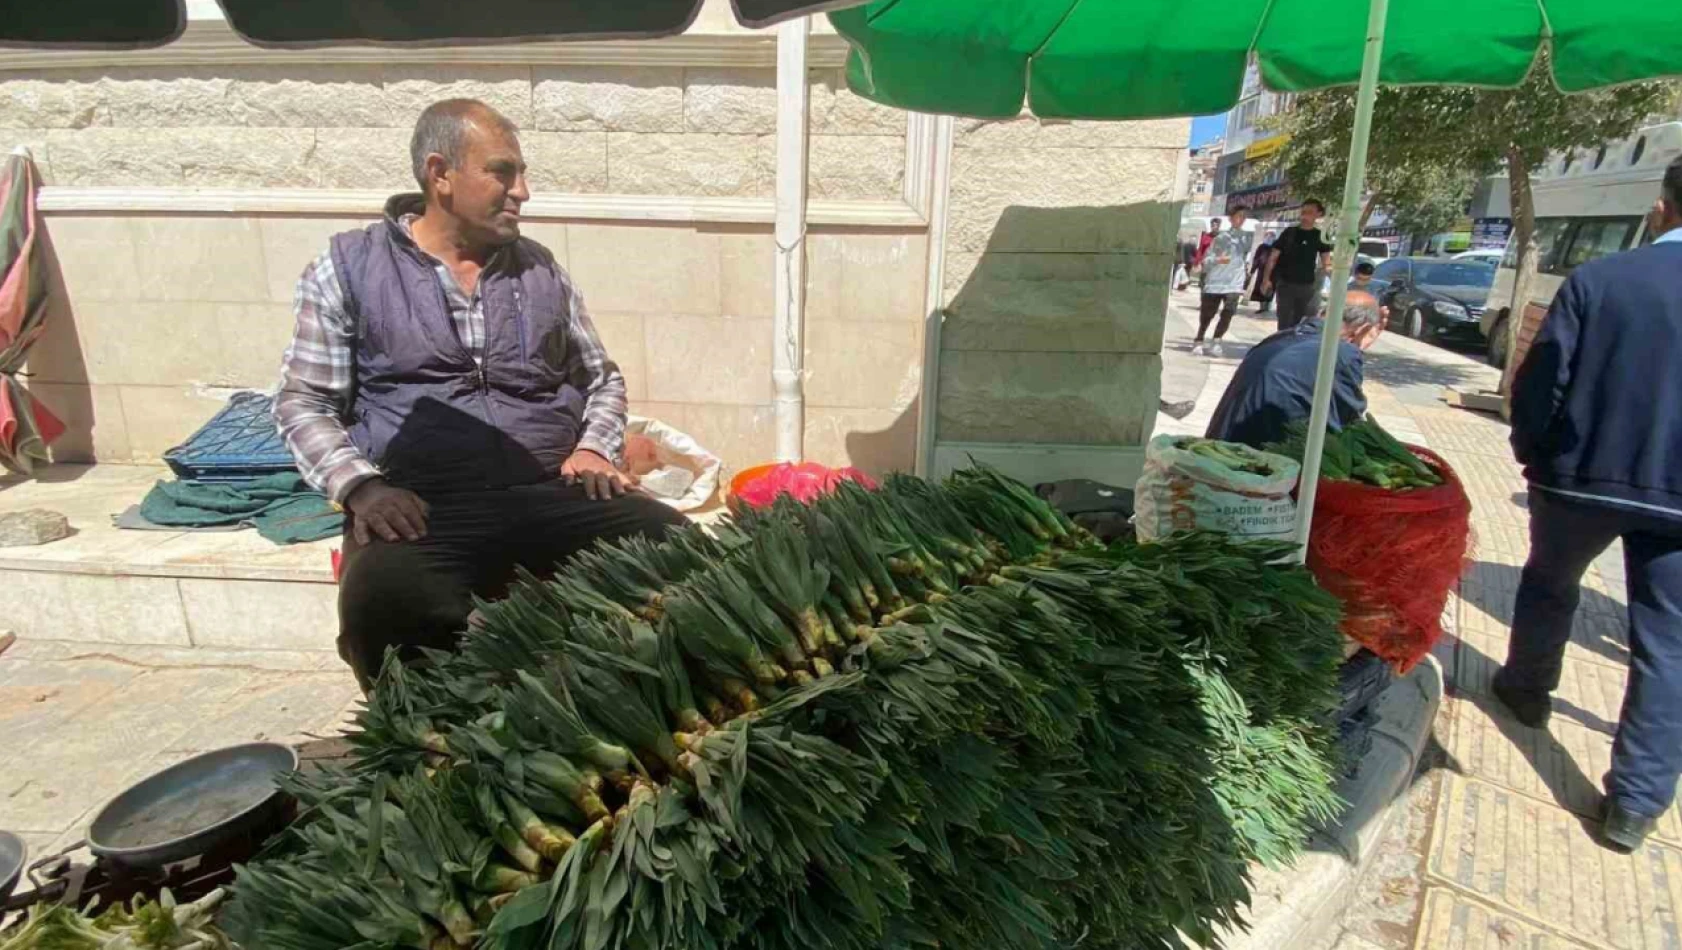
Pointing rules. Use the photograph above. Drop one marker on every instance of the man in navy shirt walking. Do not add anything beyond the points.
(1597, 424)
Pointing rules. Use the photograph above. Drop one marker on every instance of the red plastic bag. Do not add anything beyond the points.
(1392, 557)
(759, 486)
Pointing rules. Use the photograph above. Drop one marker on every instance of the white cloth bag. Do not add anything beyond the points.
(678, 454)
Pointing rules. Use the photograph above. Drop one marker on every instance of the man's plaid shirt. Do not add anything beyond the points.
(317, 383)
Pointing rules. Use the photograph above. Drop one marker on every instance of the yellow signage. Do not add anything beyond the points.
(1265, 147)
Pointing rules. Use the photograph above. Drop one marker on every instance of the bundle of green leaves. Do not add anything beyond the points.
(924, 715)
(142, 924)
(1362, 452)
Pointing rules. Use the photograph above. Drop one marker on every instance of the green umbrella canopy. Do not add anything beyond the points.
(299, 23)
(1114, 59)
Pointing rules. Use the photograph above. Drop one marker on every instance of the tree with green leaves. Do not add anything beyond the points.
(1425, 139)
(1416, 188)
(1517, 129)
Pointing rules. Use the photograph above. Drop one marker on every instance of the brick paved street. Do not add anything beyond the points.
(80, 721)
(1494, 850)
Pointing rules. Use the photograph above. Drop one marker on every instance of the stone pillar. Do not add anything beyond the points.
(1059, 249)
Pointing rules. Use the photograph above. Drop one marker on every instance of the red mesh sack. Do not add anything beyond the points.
(758, 487)
(1392, 557)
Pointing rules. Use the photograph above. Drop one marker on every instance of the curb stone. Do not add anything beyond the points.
(1299, 905)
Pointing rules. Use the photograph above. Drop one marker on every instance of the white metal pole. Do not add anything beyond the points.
(788, 326)
(934, 296)
(1348, 239)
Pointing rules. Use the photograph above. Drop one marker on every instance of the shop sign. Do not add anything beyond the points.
(1265, 147)
(1491, 233)
(1267, 197)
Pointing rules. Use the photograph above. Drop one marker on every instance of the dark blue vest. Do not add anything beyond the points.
(423, 411)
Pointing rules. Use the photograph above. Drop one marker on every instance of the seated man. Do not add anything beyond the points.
(1274, 385)
(1363, 281)
(446, 386)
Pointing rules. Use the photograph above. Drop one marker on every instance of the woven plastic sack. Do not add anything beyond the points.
(759, 487)
(1183, 491)
(1392, 557)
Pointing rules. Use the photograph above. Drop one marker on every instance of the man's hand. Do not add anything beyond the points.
(600, 478)
(385, 511)
(1267, 286)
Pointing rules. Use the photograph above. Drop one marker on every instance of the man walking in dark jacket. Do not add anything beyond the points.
(1597, 424)
(446, 386)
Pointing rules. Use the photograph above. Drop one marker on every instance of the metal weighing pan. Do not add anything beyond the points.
(12, 855)
(192, 806)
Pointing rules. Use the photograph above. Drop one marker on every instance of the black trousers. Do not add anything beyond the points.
(1295, 302)
(1227, 304)
(415, 594)
(1565, 538)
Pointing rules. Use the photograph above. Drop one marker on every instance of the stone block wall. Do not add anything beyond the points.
(161, 317)
(1059, 244)
(585, 129)
(1055, 234)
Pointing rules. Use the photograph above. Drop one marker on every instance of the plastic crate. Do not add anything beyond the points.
(1354, 741)
(239, 442)
(1362, 679)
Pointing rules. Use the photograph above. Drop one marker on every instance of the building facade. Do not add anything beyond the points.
(187, 187)
(1201, 171)
(1244, 176)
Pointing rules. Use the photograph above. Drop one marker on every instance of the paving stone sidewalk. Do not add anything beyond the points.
(79, 722)
(1494, 848)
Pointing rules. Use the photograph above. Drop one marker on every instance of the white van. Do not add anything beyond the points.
(1589, 203)
(1374, 249)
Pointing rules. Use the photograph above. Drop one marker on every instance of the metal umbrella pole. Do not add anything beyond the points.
(1348, 240)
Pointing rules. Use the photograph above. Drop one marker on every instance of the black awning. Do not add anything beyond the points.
(95, 24)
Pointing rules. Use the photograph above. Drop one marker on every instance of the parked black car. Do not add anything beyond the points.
(1430, 296)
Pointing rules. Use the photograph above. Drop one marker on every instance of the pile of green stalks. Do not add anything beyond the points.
(1362, 452)
(923, 716)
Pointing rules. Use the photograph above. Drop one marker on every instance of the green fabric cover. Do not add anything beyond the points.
(283, 508)
(1118, 59)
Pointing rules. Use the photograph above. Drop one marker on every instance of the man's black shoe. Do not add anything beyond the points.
(1623, 831)
(1529, 708)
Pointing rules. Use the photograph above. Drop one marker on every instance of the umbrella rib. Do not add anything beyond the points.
(1053, 31)
(1547, 23)
(1261, 24)
(1546, 39)
(1028, 64)
(875, 15)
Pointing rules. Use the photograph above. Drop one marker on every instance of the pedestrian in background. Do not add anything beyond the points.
(1301, 257)
(1362, 281)
(1258, 266)
(1597, 424)
(1205, 240)
(1223, 282)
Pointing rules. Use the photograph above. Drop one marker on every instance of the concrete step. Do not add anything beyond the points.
(167, 588)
